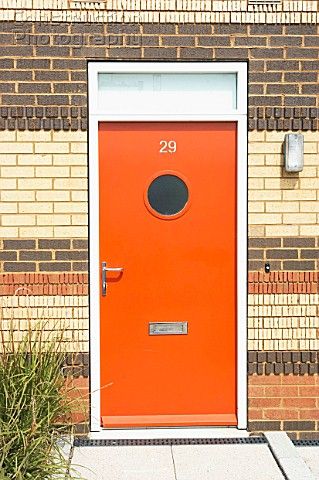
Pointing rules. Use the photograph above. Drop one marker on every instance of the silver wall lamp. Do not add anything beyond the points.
(294, 152)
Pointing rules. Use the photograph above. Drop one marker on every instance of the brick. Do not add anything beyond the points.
(285, 41)
(19, 267)
(50, 51)
(309, 391)
(262, 426)
(256, 66)
(52, 99)
(255, 254)
(267, 52)
(282, 391)
(231, 53)
(80, 244)
(159, 28)
(19, 244)
(309, 253)
(193, 29)
(301, 53)
(34, 87)
(308, 435)
(298, 425)
(7, 87)
(264, 402)
(17, 51)
(179, 40)
(71, 255)
(69, 64)
(45, 27)
(8, 255)
(255, 265)
(6, 63)
(49, 75)
(300, 77)
(214, 40)
(310, 65)
(299, 402)
(311, 89)
(79, 27)
(300, 29)
(198, 53)
(264, 242)
(35, 255)
(266, 101)
(281, 253)
(299, 242)
(250, 41)
(129, 53)
(279, 65)
(33, 63)
(54, 244)
(230, 29)
(55, 267)
(80, 266)
(280, 414)
(18, 99)
(289, 89)
(298, 265)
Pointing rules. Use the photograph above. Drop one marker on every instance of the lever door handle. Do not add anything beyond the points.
(108, 269)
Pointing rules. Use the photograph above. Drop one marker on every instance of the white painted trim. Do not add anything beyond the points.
(183, 432)
(239, 116)
(96, 108)
(94, 292)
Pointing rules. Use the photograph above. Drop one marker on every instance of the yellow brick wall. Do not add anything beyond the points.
(43, 182)
(281, 203)
(61, 313)
(283, 322)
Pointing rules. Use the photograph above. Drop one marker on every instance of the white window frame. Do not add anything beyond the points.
(95, 116)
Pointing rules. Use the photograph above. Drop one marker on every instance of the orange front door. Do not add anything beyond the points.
(168, 321)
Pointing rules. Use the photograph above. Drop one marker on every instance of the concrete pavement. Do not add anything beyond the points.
(177, 462)
(278, 459)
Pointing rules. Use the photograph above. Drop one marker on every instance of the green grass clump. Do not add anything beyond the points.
(34, 407)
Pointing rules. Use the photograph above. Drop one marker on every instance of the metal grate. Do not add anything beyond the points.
(306, 443)
(87, 442)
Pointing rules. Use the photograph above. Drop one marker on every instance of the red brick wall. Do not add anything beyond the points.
(285, 402)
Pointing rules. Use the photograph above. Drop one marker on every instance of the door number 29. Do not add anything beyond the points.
(168, 146)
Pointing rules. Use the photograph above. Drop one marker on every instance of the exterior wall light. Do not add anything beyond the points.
(293, 152)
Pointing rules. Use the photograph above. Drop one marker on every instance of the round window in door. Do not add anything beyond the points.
(167, 195)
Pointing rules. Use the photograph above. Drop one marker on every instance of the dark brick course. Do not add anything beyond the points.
(285, 362)
(283, 65)
(287, 253)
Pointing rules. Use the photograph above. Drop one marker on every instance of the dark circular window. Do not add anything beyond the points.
(167, 194)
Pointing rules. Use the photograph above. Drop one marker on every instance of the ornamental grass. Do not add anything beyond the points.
(35, 406)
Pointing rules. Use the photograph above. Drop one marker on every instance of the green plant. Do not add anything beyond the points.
(35, 407)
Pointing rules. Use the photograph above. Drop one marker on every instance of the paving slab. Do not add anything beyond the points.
(288, 456)
(225, 462)
(124, 463)
(310, 455)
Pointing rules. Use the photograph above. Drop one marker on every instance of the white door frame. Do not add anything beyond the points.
(98, 114)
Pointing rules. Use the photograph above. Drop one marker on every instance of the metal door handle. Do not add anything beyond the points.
(108, 269)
